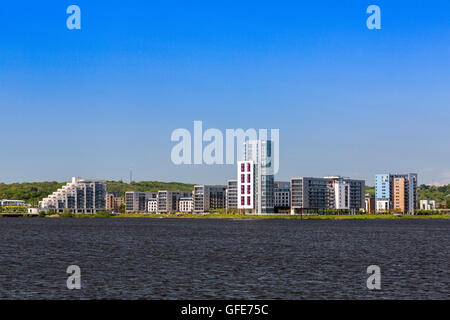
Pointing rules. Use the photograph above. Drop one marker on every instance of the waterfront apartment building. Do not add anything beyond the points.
(427, 205)
(382, 192)
(346, 193)
(186, 205)
(206, 198)
(79, 196)
(370, 203)
(231, 194)
(404, 192)
(168, 201)
(113, 202)
(281, 194)
(246, 186)
(357, 194)
(11, 203)
(397, 192)
(382, 205)
(137, 201)
(255, 177)
(382, 186)
(152, 205)
(309, 194)
(339, 193)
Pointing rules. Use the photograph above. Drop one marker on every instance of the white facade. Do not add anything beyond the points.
(152, 205)
(259, 153)
(33, 211)
(382, 204)
(342, 195)
(186, 205)
(341, 192)
(427, 205)
(80, 196)
(245, 185)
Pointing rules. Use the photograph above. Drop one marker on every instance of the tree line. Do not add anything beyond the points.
(33, 192)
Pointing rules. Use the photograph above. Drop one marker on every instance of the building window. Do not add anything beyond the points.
(242, 200)
(248, 167)
(242, 189)
(242, 167)
(248, 189)
(248, 200)
(242, 178)
(248, 178)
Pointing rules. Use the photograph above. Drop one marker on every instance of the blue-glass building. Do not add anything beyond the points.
(382, 186)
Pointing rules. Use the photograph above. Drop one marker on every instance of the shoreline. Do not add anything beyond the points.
(286, 217)
(243, 217)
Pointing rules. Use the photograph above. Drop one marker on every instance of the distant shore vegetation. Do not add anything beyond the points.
(421, 214)
(33, 192)
(106, 214)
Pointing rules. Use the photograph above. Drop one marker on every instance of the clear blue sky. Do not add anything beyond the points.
(98, 101)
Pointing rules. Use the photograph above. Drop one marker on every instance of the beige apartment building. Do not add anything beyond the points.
(370, 203)
(398, 194)
(113, 202)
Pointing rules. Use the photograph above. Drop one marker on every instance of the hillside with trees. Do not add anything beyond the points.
(426, 192)
(121, 187)
(33, 192)
(438, 193)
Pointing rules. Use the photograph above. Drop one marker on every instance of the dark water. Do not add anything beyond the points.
(223, 259)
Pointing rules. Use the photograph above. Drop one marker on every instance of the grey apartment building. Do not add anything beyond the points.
(168, 201)
(136, 201)
(208, 197)
(231, 194)
(357, 194)
(310, 194)
(281, 192)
